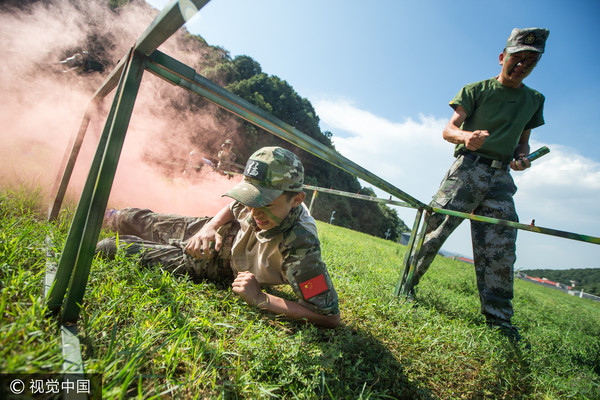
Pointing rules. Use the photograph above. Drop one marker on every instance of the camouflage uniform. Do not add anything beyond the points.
(470, 186)
(288, 253)
(226, 156)
(479, 181)
(160, 239)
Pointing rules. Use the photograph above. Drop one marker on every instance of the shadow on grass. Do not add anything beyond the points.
(358, 365)
(285, 357)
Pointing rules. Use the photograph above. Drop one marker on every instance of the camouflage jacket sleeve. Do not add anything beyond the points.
(307, 273)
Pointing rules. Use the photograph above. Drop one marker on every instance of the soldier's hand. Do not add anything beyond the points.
(474, 140)
(520, 163)
(204, 243)
(247, 287)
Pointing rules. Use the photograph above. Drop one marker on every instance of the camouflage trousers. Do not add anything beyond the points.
(473, 187)
(160, 240)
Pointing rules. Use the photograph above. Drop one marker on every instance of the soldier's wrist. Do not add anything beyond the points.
(264, 302)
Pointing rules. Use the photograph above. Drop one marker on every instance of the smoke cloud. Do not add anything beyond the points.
(44, 101)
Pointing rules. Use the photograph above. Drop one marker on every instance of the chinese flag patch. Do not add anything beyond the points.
(313, 287)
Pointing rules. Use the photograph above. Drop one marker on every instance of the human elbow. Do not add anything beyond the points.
(332, 321)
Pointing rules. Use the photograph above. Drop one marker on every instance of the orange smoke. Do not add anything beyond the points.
(43, 106)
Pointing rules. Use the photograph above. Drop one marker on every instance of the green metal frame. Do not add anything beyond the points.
(404, 283)
(359, 196)
(65, 284)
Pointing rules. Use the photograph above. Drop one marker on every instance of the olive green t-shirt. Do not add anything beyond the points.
(504, 112)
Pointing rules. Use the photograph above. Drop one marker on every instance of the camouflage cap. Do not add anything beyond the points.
(533, 39)
(269, 172)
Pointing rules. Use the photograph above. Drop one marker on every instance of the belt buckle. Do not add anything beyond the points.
(496, 164)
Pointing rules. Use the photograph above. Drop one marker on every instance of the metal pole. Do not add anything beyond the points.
(60, 185)
(312, 200)
(357, 196)
(180, 74)
(69, 254)
(99, 199)
(512, 224)
(407, 255)
(166, 23)
(407, 285)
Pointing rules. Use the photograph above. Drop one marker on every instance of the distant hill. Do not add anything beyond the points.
(587, 279)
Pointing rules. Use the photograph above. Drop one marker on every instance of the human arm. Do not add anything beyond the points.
(248, 288)
(520, 162)
(453, 134)
(199, 244)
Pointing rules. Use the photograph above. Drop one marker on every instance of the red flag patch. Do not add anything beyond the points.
(314, 286)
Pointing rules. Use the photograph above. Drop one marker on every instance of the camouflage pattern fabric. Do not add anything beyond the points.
(160, 240)
(473, 187)
(276, 168)
(295, 238)
(268, 173)
(154, 227)
(533, 39)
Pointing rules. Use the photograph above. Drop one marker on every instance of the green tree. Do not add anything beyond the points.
(247, 67)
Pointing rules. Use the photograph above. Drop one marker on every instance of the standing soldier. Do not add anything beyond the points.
(226, 157)
(490, 126)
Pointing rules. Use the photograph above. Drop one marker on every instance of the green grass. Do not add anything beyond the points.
(151, 335)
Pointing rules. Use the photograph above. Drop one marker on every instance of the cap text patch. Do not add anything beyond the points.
(256, 169)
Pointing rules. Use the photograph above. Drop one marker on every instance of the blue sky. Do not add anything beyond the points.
(380, 75)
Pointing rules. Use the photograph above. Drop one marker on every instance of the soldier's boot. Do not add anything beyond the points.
(108, 247)
(506, 329)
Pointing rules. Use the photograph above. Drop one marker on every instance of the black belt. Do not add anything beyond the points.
(486, 161)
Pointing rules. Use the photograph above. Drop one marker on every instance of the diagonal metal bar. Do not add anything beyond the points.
(180, 74)
(516, 225)
(409, 265)
(409, 262)
(102, 186)
(166, 23)
(357, 196)
(312, 200)
(67, 165)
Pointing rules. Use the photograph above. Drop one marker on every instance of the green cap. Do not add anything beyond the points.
(269, 172)
(533, 39)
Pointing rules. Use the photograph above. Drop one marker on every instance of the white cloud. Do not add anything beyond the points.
(560, 191)
(411, 154)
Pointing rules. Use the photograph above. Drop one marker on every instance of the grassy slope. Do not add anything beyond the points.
(151, 334)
